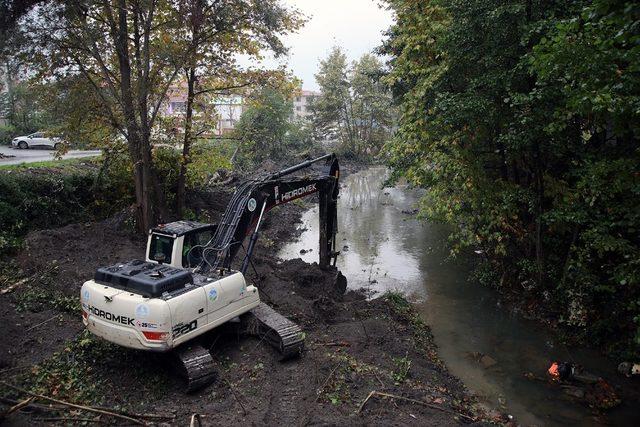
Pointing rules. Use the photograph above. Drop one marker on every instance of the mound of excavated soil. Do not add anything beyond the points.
(354, 346)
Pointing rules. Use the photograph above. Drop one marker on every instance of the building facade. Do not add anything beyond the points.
(229, 108)
(301, 103)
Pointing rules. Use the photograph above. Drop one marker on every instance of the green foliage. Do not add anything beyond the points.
(73, 375)
(67, 374)
(206, 159)
(355, 108)
(7, 133)
(21, 106)
(403, 365)
(38, 298)
(521, 119)
(266, 131)
(36, 198)
(398, 301)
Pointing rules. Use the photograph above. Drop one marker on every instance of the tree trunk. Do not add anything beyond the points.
(147, 188)
(188, 125)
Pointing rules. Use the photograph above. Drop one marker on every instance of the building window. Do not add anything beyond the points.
(298, 99)
(298, 108)
(179, 107)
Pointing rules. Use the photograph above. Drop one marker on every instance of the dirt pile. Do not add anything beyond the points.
(79, 249)
(353, 346)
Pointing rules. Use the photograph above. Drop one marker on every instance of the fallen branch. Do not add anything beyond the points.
(333, 344)
(136, 415)
(49, 408)
(14, 368)
(33, 405)
(42, 323)
(73, 405)
(70, 419)
(324, 384)
(15, 285)
(17, 407)
(35, 278)
(375, 393)
(236, 397)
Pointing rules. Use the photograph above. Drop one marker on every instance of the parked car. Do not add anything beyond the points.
(38, 139)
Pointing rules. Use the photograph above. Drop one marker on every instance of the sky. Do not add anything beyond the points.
(354, 25)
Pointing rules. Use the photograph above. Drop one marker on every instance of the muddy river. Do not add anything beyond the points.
(384, 247)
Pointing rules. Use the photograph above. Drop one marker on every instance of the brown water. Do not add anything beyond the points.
(384, 248)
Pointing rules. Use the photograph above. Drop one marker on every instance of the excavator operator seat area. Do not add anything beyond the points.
(179, 244)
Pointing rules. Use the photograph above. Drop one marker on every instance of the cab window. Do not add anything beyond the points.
(192, 247)
(161, 245)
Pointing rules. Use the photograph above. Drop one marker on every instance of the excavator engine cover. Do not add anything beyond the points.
(144, 278)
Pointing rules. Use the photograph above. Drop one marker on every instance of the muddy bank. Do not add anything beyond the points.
(354, 346)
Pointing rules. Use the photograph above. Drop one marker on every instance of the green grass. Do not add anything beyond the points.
(49, 164)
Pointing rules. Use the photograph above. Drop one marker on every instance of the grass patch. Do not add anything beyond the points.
(51, 164)
(36, 299)
(87, 371)
(422, 337)
(403, 365)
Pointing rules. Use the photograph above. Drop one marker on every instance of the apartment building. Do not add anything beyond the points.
(228, 108)
(301, 102)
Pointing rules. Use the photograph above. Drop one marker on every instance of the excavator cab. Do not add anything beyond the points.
(179, 244)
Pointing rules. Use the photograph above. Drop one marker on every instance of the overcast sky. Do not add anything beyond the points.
(355, 25)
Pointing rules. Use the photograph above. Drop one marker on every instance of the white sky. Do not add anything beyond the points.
(354, 25)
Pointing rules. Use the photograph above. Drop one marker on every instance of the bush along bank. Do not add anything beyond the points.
(40, 198)
(521, 121)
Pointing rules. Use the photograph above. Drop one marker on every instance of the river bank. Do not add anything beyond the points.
(354, 346)
(499, 355)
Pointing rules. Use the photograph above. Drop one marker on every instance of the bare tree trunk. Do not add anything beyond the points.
(188, 125)
(146, 183)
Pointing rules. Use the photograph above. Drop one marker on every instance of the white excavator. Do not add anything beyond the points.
(186, 286)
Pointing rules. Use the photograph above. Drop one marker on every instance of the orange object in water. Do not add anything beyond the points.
(553, 370)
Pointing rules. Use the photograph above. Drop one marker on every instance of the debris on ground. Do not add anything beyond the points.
(629, 369)
(484, 360)
(410, 211)
(583, 386)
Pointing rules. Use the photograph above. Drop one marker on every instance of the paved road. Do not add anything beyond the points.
(39, 155)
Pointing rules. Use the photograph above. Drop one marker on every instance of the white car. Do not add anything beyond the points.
(37, 139)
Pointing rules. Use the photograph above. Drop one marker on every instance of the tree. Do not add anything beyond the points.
(218, 32)
(354, 107)
(518, 119)
(131, 52)
(332, 113)
(264, 126)
(372, 109)
(121, 49)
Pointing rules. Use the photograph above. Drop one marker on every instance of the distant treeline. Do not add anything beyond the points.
(522, 119)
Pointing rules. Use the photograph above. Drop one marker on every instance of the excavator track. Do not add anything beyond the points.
(196, 365)
(272, 327)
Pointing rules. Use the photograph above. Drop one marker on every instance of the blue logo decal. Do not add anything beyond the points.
(213, 294)
(142, 310)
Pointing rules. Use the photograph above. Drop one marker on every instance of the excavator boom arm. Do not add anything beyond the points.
(254, 198)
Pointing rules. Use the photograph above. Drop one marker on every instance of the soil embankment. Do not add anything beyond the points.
(354, 346)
